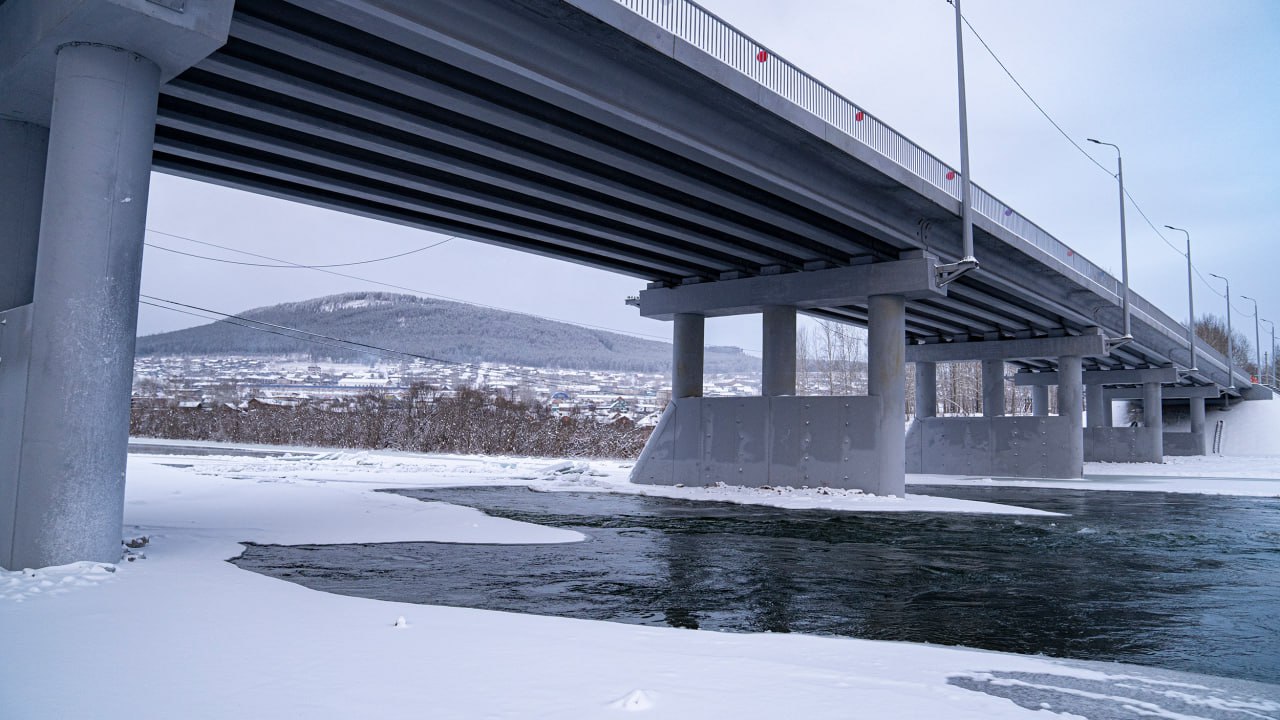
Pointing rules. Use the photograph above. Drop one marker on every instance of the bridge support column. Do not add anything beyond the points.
(687, 340)
(1040, 400)
(780, 439)
(926, 390)
(70, 498)
(1197, 415)
(887, 379)
(1096, 407)
(1153, 420)
(992, 388)
(1070, 390)
(23, 147)
(999, 445)
(778, 365)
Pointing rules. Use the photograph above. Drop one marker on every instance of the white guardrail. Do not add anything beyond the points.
(707, 32)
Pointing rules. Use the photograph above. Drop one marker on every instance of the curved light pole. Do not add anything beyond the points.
(1231, 367)
(1124, 246)
(1257, 338)
(1191, 302)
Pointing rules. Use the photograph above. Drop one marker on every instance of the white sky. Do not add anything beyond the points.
(1190, 91)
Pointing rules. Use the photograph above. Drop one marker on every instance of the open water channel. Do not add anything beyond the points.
(1184, 582)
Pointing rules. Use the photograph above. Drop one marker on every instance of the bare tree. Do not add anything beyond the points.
(1213, 331)
(832, 359)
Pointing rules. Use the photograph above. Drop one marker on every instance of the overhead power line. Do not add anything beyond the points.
(325, 269)
(291, 265)
(316, 338)
(1079, 147)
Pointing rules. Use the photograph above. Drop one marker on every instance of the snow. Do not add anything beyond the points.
(179, 632)
(400, 469)
(613, 477)
(1249, 428)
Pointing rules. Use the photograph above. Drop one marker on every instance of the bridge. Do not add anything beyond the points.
(646, 137)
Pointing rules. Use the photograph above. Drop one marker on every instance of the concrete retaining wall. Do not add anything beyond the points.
(1120, 444)
(1183, 443)
(1021, 446)
(754, 441)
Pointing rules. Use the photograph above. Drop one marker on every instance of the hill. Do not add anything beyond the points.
(434, 328)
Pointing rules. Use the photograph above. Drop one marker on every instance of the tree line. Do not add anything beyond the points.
(470, 422)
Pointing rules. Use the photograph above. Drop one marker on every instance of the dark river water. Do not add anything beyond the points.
(1184, 582)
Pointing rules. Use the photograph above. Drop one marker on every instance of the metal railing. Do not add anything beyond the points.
(712, 35)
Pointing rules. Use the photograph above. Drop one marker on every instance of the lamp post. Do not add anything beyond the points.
(1257, 338)
(1271, 363)
(1191, 302)
(1231, 367)
(1124, 246)
(968, 263)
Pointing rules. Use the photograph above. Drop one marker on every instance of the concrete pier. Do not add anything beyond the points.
(778, 366)
(1069, 399)
(887, 380)
(992, 388)
(24, 147)
(1197, 416)
(1097, 408)
(1040, 401)
(70, 497)
(1153, 420)
(926, 389)
(687, 340)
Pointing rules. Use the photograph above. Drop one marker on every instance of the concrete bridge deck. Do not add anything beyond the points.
(581, 130)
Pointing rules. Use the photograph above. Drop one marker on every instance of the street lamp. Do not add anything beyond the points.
(1231, 368)
(1271, 363)
(968, 263)
(1257, 338)
(1124, 246)
(1191, 303)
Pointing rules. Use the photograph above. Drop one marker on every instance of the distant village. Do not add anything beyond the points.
(247, 383)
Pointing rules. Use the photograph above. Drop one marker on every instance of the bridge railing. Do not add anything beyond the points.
(712, 35)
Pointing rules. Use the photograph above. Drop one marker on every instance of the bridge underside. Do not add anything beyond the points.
(569, 128)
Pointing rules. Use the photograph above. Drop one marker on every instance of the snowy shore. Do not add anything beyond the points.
(179, 632)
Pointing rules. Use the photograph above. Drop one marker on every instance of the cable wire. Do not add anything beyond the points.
(282, 264)
(324, 269)
(322, 339)
(1084, 152)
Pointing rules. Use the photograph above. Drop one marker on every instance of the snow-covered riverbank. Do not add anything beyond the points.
(179, 632)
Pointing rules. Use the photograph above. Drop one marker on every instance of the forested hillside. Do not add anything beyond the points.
(434, 328)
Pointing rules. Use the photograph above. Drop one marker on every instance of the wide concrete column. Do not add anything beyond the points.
(1197, 415)
(1096, 406)
(71, 486)
(778, 365)
(926, 389)
(1040, 400)
(687, 343)
(887, 379)
(1153, 418)
(992, 388)
(1070, 380)
(24, 149)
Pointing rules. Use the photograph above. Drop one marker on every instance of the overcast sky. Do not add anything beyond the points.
(1190, 91)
